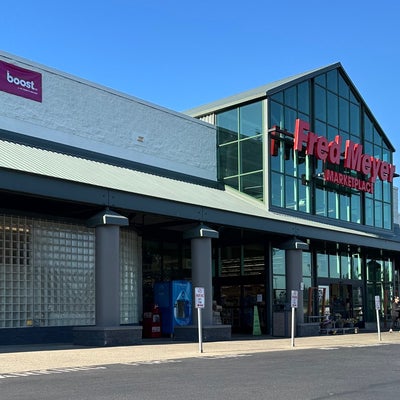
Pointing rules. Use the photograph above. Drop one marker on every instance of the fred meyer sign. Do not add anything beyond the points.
(20, 81)
(354, 159)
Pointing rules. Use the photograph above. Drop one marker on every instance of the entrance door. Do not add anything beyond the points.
(238, 303)
(341, 300)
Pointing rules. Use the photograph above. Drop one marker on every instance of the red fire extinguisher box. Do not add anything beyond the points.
(152, 323)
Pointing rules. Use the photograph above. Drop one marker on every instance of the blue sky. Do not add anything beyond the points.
(181, 54)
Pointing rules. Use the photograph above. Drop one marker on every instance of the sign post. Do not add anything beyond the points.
(377, 308)
(294, 304)
(199, 297)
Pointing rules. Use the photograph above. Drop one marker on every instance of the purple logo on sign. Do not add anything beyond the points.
(20, 81)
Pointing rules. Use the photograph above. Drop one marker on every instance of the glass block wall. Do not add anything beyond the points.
(46, 273)
(131, 279)
(63, 261)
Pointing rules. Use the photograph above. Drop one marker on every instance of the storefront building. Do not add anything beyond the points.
(104, 195)
(341, 175)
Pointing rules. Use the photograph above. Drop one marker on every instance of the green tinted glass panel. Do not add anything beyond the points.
(343, 87)
(290, 96)
(276, 115)
(332, 81)
(250, 117)
(320, 128)
(378, 190)
(277, 189)
(320, 103)
(320, 202)
(368, 128)
(322, 265)
(344, 120)
(227, 123)
(355, 120)
(303, 97)
(228, 159)
(306, 263)
(334, 266)
(378, 214)
(333, 205)
(332, 101)
(290, 193)
(345, 266)
(320, 80)
(278, 97)
(278, 262)
(356, 208)
(251, 154)
(303, 203)
(387, 192)
(369, 212)
(386, 155)
(368, 148)
(232, 182)
(387, 216)
(353, 98)
(290, 119)
(252, 184)
(377, 152)
(377, 138)
(344, 207)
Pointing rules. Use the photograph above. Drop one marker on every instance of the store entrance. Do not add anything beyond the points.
(238, 303)
(341, 300)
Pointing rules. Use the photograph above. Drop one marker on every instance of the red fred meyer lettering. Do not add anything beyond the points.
(354, 159)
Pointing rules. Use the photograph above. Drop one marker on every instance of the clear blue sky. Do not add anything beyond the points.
(181, 54)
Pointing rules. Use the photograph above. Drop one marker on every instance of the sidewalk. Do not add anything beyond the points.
(44, 357)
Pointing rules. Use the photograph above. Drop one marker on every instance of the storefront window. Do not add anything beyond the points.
(334, 266)
(253, 259)
(240, 148)
(231, 261)
(322, 265)
(279, 281)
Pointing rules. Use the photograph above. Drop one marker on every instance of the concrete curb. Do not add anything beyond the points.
(44, 357)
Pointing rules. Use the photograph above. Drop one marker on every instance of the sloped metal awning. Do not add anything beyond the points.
(210, 204)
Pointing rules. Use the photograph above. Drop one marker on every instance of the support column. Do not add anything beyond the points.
(294, 274)
(202, 275)
(201, 250)
(107, 276)
(107, 331)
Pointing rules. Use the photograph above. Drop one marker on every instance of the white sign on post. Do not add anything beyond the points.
(199, 301)
(377, 303)
(377, 309)
(294, 299)
(199, 297)
(294, 302)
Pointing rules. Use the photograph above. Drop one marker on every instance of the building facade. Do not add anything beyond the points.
(103, 195)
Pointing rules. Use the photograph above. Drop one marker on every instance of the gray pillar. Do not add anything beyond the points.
(107, 276)
(294, 274)
(107, 225)
(201, 249)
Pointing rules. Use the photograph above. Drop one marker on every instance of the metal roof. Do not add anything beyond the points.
(256, 93)
(241, 208)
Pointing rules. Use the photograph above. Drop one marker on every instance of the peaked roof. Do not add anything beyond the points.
(258, 92)
(273, 87)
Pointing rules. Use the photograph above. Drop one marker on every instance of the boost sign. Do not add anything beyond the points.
(20, 81)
